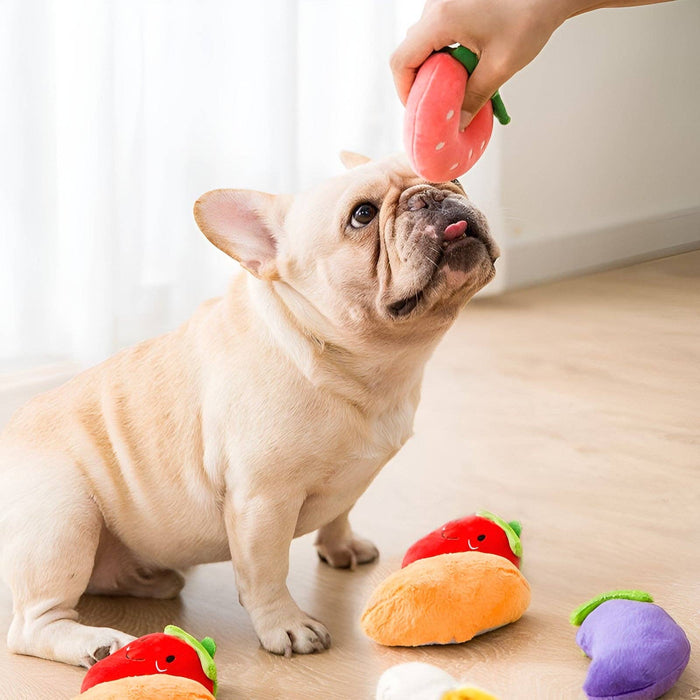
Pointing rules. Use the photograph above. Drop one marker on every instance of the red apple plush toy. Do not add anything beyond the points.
(482, 531)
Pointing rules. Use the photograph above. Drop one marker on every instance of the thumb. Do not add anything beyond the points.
(481, 86)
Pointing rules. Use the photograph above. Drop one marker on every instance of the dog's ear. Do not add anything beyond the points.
(351, 160)
(246, 225)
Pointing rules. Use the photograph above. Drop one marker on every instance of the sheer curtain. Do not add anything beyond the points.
(117, 115)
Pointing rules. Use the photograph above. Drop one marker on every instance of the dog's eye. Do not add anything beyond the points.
(363, 215)
(459, 184)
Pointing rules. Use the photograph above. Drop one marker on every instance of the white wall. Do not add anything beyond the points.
(605, 140)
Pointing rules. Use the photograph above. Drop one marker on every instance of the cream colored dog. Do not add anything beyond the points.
(262, 418)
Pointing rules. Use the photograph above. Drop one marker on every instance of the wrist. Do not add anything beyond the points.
(570, 8)
(553, 13)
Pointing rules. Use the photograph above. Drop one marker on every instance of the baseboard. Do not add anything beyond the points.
(532, 262)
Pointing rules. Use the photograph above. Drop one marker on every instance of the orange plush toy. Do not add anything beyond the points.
(458, 581)
(449, 598)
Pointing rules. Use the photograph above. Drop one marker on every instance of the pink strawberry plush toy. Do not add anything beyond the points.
(482, 532)
(436, 148)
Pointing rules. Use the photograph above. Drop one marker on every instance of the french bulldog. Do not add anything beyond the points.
(262, 418)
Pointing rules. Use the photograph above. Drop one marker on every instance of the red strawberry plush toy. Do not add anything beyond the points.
(483, 532)
(437, 149)
(173, 652)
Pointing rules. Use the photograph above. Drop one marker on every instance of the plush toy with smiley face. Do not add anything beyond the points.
(172, 652)
(482, 532)
(460, 580)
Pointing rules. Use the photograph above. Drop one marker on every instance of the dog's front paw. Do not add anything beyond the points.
(347, 554)
(301, 635)
(101, 643)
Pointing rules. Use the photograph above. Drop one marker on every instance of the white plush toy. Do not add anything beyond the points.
(419, 681)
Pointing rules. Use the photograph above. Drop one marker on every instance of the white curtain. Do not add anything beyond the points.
(115, 116)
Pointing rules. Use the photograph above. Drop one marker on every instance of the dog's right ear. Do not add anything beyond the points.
(245, 224)
(351, 160)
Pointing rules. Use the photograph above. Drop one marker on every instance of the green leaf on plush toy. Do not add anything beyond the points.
(512, 531)
(205, 650)
(470, 60)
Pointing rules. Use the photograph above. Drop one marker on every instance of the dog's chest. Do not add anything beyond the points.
(348, 471)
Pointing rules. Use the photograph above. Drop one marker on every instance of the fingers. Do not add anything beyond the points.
(406, 60)
(417, 47)
(505, 34)
(420, 42)
(481, 86)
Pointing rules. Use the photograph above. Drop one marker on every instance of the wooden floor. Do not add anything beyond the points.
(574, 407)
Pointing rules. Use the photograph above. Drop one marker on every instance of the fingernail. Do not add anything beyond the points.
(464, 119)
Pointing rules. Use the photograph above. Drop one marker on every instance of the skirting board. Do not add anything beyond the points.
(532, 262)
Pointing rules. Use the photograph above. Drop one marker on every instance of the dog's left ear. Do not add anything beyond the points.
(351, 160)
(245, 224)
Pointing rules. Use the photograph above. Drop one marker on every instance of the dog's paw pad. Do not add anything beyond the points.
(101, 653)
(100, 642)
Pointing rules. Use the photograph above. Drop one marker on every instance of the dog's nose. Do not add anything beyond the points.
(426, 198)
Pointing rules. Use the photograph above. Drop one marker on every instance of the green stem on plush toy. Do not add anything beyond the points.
(470, 60)
(581, 613)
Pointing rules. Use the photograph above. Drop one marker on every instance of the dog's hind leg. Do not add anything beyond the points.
(47, 560)
(117, 571)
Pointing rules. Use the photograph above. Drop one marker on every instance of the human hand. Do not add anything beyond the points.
(505, 34)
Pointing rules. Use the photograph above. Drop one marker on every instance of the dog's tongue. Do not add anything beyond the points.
(455, 230)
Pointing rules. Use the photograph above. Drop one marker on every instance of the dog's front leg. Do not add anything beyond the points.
(338, 545)
(260, 531)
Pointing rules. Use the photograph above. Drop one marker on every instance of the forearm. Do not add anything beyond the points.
(578, 7)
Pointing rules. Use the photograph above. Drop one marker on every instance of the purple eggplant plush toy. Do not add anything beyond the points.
(638, 651)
